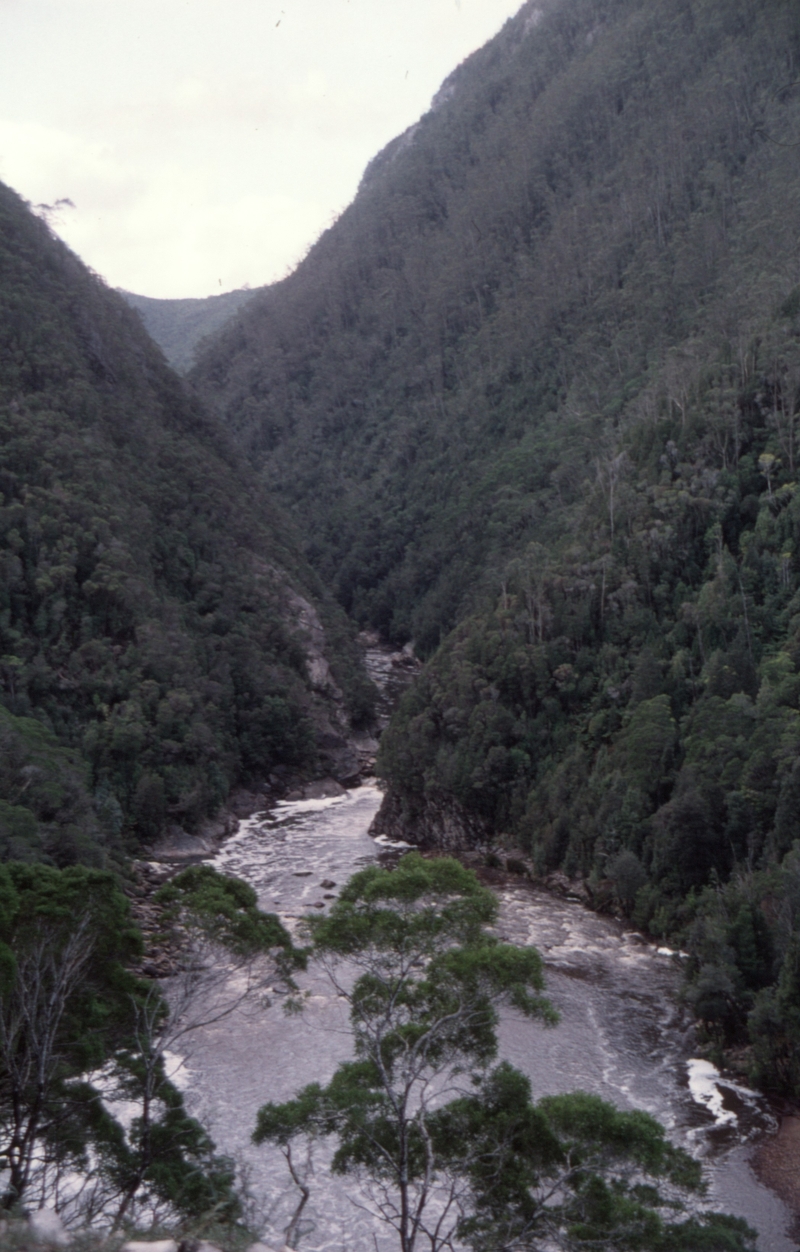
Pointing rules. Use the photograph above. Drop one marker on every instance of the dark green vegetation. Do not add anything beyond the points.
(501, 1172)
(46, 809)
(79, 1033)
(536, 397)
(534, 401)
(150, 653)
(179, 326)
(227, 911)
(65, 939)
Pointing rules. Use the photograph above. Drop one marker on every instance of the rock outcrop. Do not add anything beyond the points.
(437, 822)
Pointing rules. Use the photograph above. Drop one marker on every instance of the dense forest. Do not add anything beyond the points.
(535, 398)
(155, 612)
(162, 641)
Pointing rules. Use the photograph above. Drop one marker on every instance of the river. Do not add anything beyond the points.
(622, 1033)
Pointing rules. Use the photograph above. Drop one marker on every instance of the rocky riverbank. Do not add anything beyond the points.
(777, 1164)
(345, 756)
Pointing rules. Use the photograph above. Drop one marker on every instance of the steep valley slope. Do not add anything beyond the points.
(162, 640)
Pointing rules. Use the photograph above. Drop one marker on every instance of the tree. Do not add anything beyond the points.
(572, 1172)
(66, 1002)
(163, 1162)
(423, 1009)
(229, 952)
(775, 1027)
(447, 1147)
(82, 1039)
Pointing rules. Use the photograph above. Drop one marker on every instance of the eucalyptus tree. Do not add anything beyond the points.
(573, 1172)
(446, 1147)
(66, 998)
(429, 980)
(227, 953)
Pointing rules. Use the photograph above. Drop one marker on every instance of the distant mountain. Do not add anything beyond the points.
(534, 401)
(179, 326)
(161, 638)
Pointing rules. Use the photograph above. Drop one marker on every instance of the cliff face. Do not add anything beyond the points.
(156, 616)
(431, 822)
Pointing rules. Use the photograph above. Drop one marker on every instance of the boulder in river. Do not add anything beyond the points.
(440, 822)
(569, 888)
(178, 845)
(321, 789)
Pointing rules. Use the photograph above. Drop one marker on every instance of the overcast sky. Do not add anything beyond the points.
(206, 143)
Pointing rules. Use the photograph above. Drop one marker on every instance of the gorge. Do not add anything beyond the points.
(525, 416)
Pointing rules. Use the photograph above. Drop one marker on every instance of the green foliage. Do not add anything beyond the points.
(536, 398)
(67, 1003)
(775, 1028)
(47, 812)
(165, 1156)
(226, 910)
(423, 1009)
(649, 743)
(434, 914)
(536, 266)
(179, 326)
(569, 1169)
(574, 1171)
(79, 1033)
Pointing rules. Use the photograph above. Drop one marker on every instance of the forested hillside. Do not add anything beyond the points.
(595, 189)
(179, 326)
(159, 632)
(535, 397)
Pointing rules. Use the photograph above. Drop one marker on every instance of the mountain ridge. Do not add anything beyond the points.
(310, 368)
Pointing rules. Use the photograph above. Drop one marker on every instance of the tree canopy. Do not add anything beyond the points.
(86, 1087)
(67, 1002)
(443, 1144)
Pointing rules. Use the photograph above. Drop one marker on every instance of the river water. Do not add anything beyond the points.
(622, 1034)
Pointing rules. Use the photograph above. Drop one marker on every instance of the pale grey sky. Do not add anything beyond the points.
(206, 143)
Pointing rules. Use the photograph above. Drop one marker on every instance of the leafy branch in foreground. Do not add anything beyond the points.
(66, 999)
(446, 1148)
(91, 1120)
(213, 908)
(230, 953)
(574, 1172)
